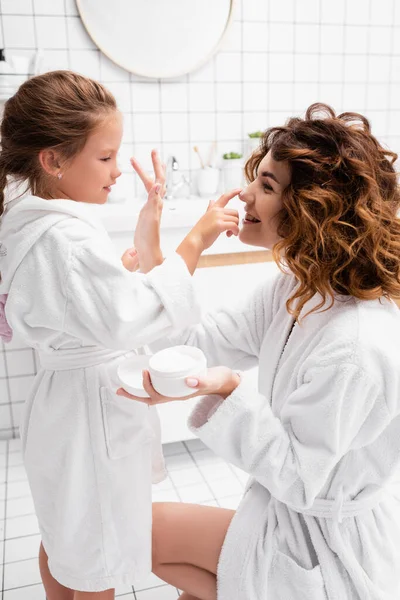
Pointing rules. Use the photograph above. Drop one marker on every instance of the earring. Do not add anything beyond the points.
(59, 175)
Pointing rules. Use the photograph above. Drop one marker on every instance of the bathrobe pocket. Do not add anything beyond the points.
(289, 581)
(126, 424)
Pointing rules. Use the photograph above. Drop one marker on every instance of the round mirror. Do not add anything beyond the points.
(157, 38)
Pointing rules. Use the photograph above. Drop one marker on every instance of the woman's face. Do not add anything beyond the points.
(263, 200)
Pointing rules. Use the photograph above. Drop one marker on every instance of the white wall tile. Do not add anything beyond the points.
(281, 11)
(356, 39)
(174, 97)
(86, 62)
(232, 41)
(51, 32)
(229, 96)
(306, 67)
(355, 68)
(357, 12)
(333, 12)
(70, 7)
(379, 69)
(281, 37)
(380, 40)
(201, 97)
(255, 10)
(255, 37)
(19, 31)
(331, 68)
(145, 97)
(281, 67)
(377, 97)
(229, 126)
(49, 7)
(174, 127)
(304, 95)
(228, 66)
(202, 127)
(55, 59)
(15, 7)
(78, 38)
(382, 11)
(110, 71)
(307, 11)
(255, 97)
(307, 38)
(280, 96)
(354, 96)
(255, 66)
(121, 91)
(332, 39)
(147, 127)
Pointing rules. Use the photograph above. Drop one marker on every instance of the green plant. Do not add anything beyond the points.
(231, 155)
(256, 134)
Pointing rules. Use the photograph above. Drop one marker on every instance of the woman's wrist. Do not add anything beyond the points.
(230, 385)
(190, 250)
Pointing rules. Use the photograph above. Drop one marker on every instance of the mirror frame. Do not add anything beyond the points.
(203, 61)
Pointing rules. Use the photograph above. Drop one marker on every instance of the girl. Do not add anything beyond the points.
(319, 434)
(87, 452)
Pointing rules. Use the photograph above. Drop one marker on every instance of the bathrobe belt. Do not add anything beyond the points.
(339, 509)
(76, 358)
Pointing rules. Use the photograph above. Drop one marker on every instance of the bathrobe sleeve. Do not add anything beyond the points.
(112, 307)
(292, 456)
(231, 336)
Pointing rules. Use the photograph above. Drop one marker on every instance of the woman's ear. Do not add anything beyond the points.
(49, 161)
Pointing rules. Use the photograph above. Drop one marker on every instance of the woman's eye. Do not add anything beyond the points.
(267, 188)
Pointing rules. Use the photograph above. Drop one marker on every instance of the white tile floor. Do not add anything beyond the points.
(195, 474)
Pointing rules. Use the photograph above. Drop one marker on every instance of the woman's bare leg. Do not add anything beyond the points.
(53, 589)
(187, 542)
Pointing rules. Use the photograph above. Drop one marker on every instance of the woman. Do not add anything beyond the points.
(319, 435)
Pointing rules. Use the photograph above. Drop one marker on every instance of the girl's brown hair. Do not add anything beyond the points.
(58, 110)
(339, 223)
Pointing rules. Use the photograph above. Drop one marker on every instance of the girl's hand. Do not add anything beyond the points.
(147, 232)
(159, 173)
(215, 221)
(130, 259)
(218, 380)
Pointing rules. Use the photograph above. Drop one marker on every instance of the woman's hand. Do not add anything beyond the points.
(147, 232)
(216, 220)
(218, 380)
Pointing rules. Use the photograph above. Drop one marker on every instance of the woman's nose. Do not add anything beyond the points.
(245, 195)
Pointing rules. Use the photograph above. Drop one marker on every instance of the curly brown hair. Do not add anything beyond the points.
(339, 223)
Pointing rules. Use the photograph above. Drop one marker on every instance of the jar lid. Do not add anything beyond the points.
(177, 361)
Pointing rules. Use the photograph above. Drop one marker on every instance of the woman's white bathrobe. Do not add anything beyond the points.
(87, 452)
(320, 437)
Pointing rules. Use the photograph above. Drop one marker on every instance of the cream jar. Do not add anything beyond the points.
(169, 368)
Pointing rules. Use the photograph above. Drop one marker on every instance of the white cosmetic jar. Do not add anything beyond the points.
(170, 367)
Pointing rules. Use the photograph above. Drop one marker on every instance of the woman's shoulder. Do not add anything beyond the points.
(365, 334)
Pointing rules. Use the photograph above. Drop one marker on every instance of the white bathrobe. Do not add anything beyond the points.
(320, 438)
(87, 452)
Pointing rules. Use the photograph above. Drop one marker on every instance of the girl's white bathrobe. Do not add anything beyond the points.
(320, 437)
(87, 452)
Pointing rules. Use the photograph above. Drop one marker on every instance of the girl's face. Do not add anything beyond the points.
(263, 200)
(90, 175)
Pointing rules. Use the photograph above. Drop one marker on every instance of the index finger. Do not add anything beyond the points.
(157, 166)
(224, 199)
(143, 176)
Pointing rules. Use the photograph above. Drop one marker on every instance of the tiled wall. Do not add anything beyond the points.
(279, 57)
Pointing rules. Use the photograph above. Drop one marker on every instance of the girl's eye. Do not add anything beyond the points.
(105, 159)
